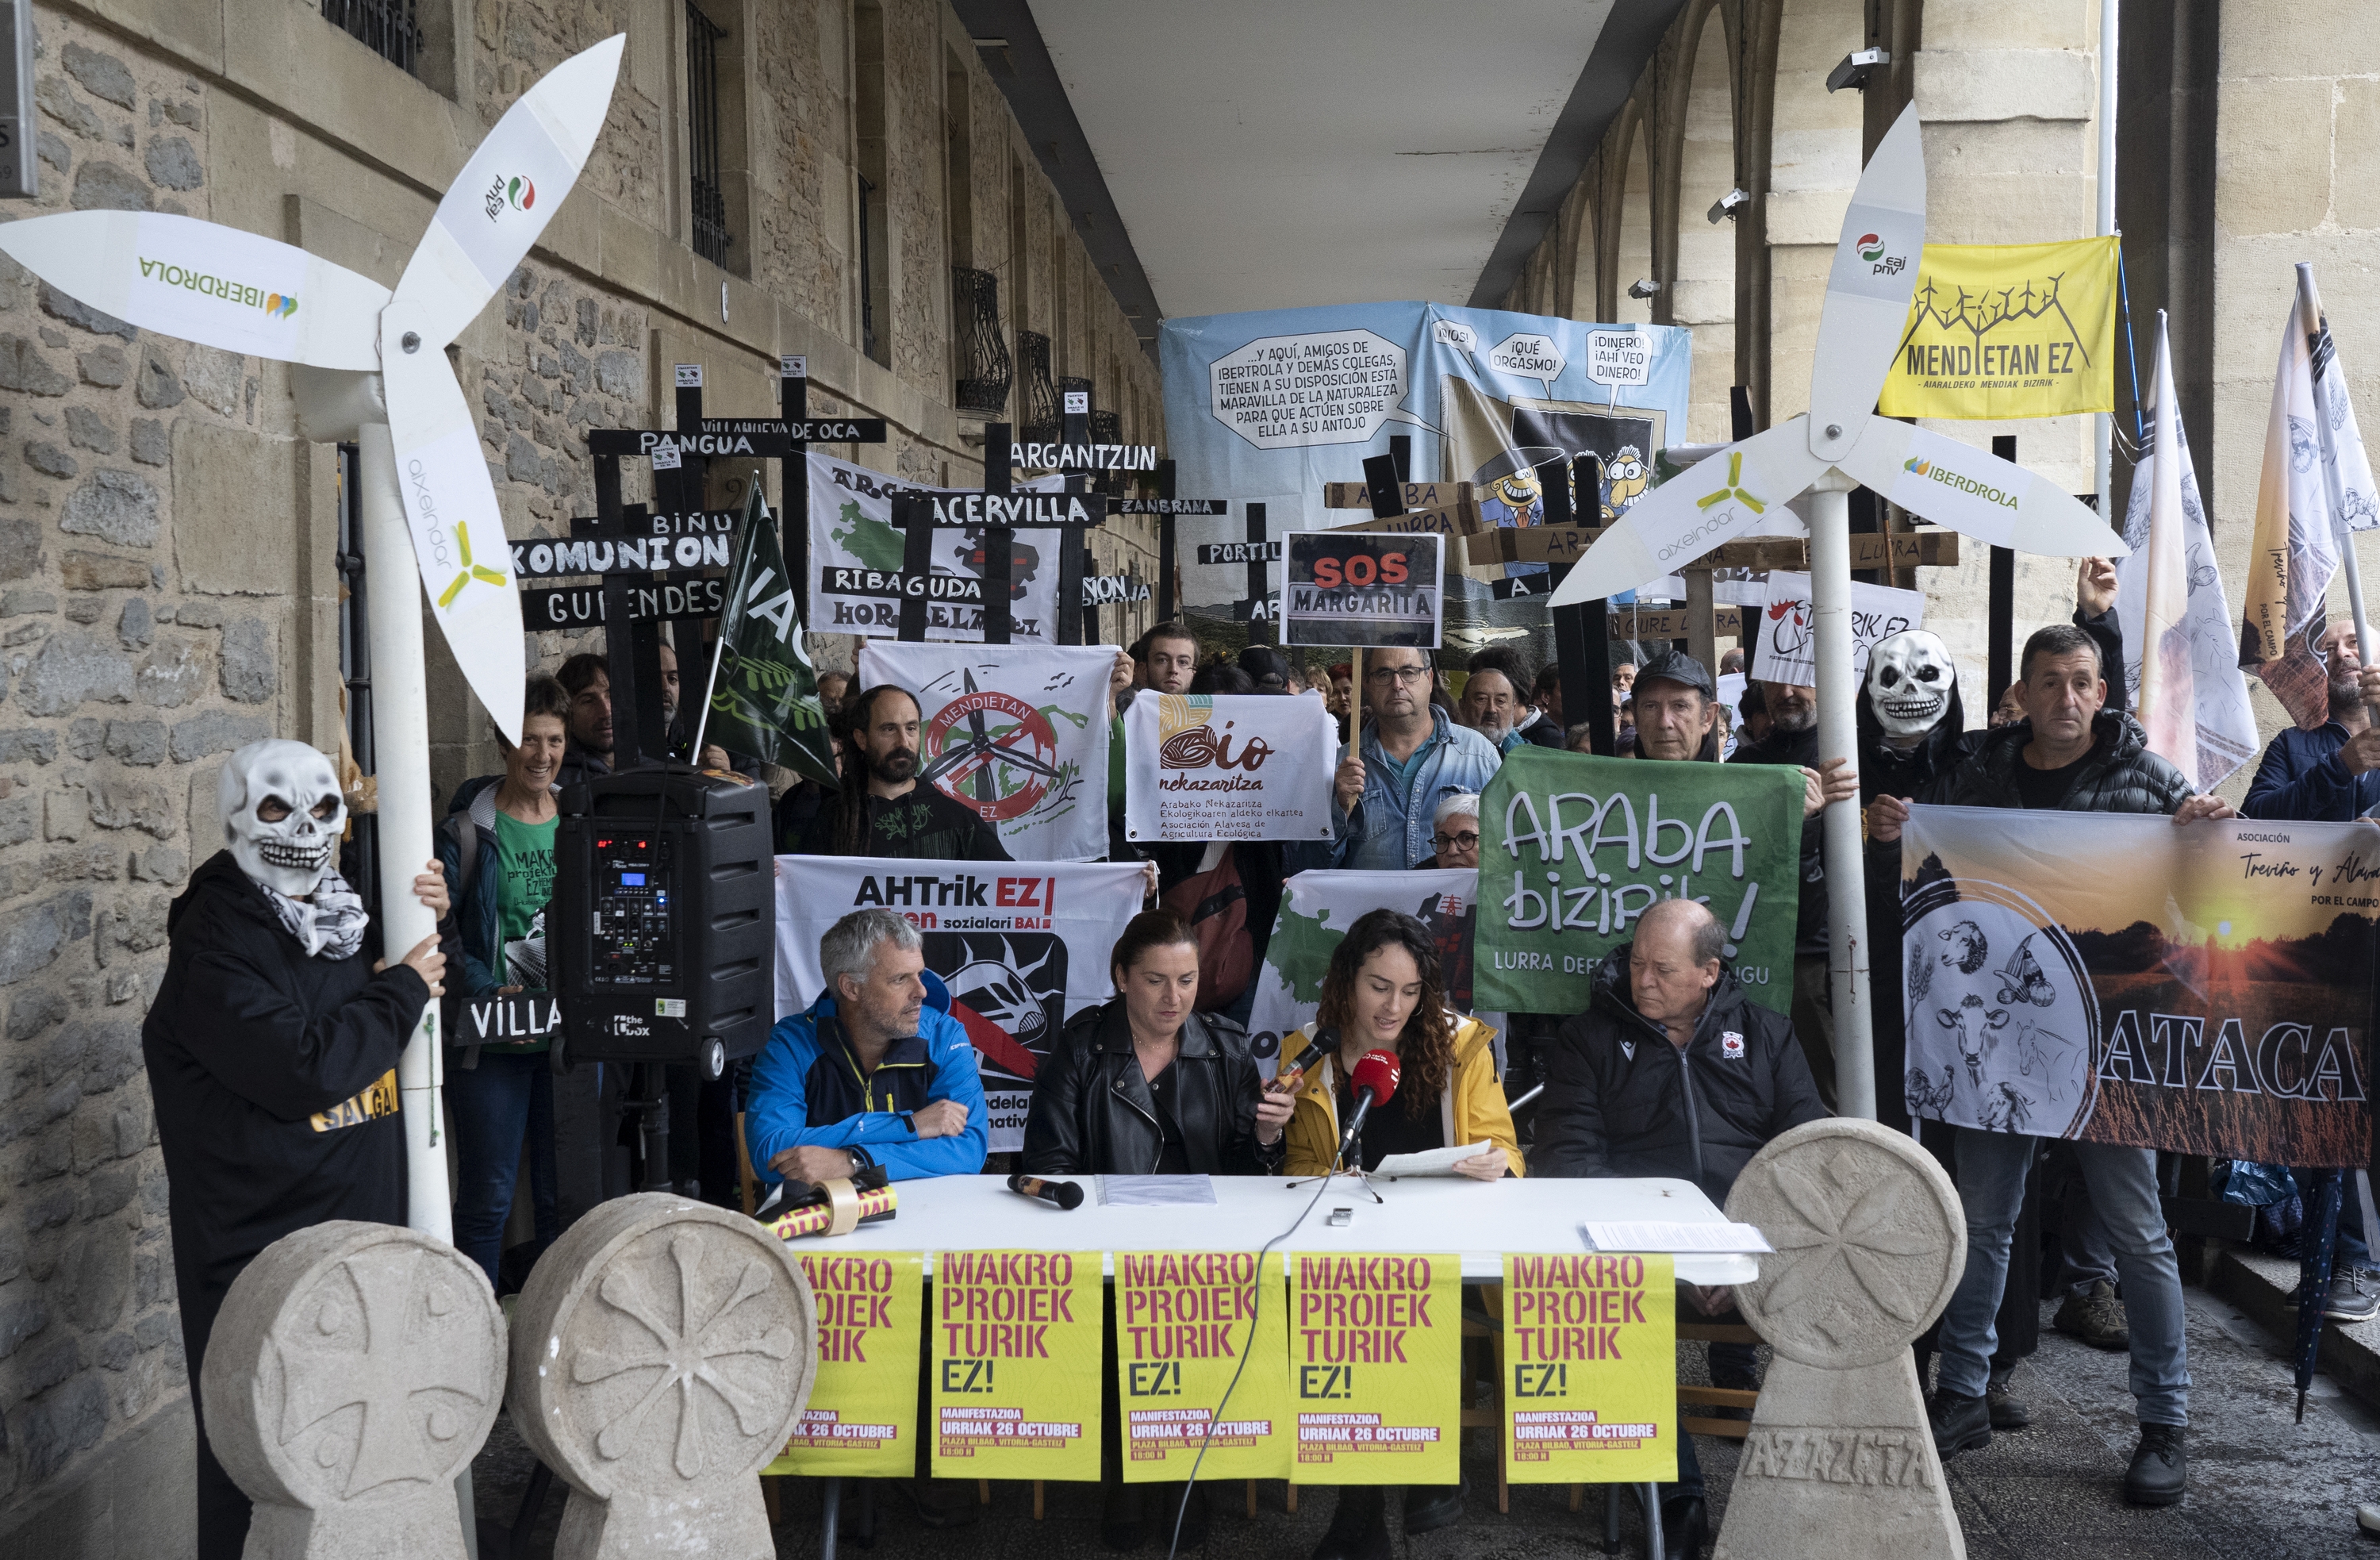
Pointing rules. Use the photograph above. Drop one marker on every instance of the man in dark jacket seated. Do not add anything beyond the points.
(1670, 1071)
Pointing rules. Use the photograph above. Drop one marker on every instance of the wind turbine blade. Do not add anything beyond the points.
(458, 534)
(203, 281)
(507, 193)
(1714, 501)
(1978, 495)
(1868, 290)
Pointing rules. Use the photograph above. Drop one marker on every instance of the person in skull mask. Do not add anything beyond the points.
(272, 1051)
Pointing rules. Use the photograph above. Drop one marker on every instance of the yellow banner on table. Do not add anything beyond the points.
(1015, 1389)
(1376, 1354)
(1591, 1363)
(1186, 1323)
(2008, 330)
(862, 1417)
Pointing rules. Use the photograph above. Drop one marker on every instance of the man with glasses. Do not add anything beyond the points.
(1411, 758)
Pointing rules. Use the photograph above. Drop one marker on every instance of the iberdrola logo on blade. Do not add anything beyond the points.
(1870, 246)
(513, 192)
(279, 305)
(1920, 466)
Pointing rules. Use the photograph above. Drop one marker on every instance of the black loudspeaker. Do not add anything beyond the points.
(664, 925)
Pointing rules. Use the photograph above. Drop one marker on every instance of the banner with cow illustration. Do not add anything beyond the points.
(1021, 948)
(1237, 766)
(2112, 978)
(1017, 733)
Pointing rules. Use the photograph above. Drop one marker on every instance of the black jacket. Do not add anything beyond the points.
(2120, 775)
(1622, 1101)
(1092, 1113)
(274, 1075)
(924, 825)
(1799, 748)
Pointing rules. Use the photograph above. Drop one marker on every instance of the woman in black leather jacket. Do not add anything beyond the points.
(1146, 1086)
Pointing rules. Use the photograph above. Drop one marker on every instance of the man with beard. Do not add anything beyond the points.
(881, 809)
(587, 677)
(2331, 774)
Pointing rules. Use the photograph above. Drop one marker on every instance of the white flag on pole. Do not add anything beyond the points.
(2182, 659)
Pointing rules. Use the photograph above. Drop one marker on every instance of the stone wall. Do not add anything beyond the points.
(168, 588)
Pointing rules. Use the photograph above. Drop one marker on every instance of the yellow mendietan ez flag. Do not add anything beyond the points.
(2008, 330)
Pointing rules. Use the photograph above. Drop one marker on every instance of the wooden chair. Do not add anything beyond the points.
(1490, 1413)
(1702, 1397)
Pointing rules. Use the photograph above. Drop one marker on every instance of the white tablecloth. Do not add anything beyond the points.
(1480, 1222)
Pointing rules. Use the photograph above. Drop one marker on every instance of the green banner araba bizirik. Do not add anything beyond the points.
(1574, 848)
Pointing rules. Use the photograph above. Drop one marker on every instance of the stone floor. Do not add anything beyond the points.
(2261, 1485)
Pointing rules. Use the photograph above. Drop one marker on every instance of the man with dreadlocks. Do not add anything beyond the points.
(881, 809)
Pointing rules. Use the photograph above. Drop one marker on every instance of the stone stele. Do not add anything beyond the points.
(1870, 1240)
(354, 1371)
(661, 1352)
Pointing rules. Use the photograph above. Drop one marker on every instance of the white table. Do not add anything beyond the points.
(1480, 1222)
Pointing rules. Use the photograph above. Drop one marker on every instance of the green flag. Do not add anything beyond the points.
(1573, 849)
(764, 697)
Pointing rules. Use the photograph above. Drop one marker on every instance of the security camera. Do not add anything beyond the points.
(1728, 204)
(1646, 287)
(1856, 68)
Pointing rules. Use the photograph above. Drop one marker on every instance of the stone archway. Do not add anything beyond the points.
(1633, 259)
(1815, 154)
(1704, 293)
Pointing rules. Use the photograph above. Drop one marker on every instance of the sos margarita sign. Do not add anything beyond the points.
(1345, 589)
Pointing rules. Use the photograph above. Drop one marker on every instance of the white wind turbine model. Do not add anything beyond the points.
(372, 368)
(1841, 444)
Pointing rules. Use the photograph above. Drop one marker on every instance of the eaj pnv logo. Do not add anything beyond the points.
(515, 193)
(1871, 248)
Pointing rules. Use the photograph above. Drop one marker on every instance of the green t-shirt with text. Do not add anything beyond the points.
(524, 882)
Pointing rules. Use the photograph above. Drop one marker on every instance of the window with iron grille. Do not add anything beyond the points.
(709, 199)
(1039, 409)
(391, 29)
(1107, 427)
(985, 374)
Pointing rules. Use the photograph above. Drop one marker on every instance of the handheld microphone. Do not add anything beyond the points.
(1064, 1194)
(1374, 1082)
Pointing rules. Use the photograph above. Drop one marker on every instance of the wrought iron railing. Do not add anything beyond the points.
(986, 373)
(708, 196)
(391, 29)
(1039, 408)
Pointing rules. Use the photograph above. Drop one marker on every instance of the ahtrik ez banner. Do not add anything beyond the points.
(2009, 329)
(1374, 1354)
(1185, 1324)
(862, 1415)
(1574, 848)
(1016, 1390)
(1590, 1349)
(2114, 979)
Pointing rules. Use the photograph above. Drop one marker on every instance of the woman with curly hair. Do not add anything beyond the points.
(1384, 992)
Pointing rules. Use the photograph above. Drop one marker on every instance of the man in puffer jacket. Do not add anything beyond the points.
(2072, 755)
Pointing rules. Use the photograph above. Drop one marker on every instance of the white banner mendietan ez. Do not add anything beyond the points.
(1021, 949)
(1235, 766)
(1018, 733)
(857, 552)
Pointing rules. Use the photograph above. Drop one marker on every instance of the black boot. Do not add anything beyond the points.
(1431, 1506)
(1961, 1423)
(1685, 1528)
(2160, 1471)
(1121, 1528)
(1359, 1528)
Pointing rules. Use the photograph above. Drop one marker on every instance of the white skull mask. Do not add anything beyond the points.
(1909, 677)
(281, 813)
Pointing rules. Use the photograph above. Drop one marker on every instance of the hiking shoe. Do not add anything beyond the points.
(2004, 1408)
(2160, 1471)
(2351, 1299)
(1959, 1423)
(2096, 1316)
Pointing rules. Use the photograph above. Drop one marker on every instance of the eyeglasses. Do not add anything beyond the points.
(1455, 842)
(1402, 674)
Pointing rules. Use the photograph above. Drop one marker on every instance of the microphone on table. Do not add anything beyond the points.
(1375, 1083)
(1063, 1194)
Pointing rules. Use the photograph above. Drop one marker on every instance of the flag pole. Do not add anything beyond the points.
(2316, 330)
(755, 513)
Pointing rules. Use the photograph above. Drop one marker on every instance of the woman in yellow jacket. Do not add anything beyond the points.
(1383, 992)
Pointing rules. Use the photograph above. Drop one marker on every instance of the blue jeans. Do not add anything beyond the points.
(505, 1099)
(2123, 1188)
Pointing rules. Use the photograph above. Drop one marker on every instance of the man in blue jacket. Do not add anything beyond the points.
(1412, 757)
(876, 1072)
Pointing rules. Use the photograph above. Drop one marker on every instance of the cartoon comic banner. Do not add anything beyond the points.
(1185, 1324)
(1015, 1391)
(1021, 949)
(1573, 849)
(1019, 733)
(2115, 979)
(1785, 643)
(1592, 1345)
(1237, 766)
(862, 1415)
(1376, 1350)
(856, 585)
(1317, 909)
(2008, 330)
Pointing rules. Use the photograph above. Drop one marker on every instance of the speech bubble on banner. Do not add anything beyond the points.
(1619, 358)
(1451, 333)
(1330, 387)
(1529, 355)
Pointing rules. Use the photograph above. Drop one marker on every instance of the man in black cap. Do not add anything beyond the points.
(1677, 717)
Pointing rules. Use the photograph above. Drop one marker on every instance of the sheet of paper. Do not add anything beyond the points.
(1429, 1161)
(1650, 1235)
(1155, 1191)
